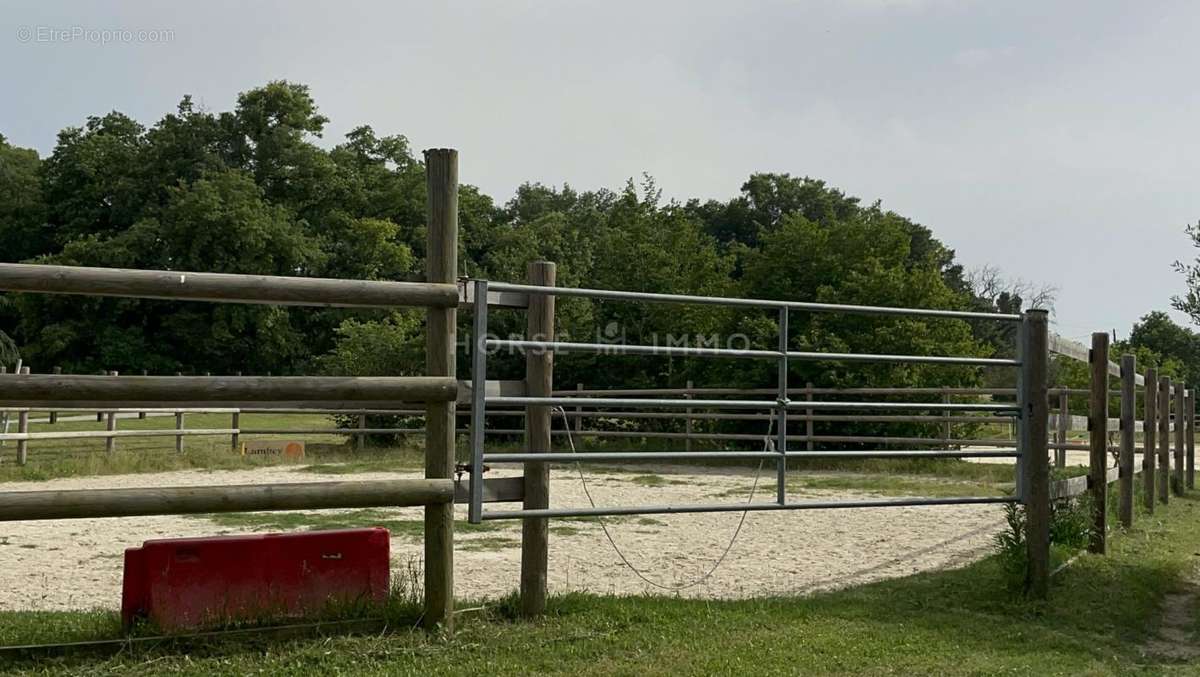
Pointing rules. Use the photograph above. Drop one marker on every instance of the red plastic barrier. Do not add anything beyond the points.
(187, 583)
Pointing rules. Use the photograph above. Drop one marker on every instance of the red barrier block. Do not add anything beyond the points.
(185, 583)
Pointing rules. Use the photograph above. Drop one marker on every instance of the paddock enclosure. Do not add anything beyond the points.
(1031, 423)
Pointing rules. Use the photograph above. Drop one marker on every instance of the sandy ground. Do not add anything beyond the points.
(74, 564)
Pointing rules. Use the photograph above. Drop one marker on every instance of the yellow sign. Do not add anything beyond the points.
(285, 448)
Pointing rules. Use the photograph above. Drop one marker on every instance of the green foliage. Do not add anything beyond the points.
(249, 191)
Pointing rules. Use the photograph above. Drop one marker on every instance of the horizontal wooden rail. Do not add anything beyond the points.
(222, 287)
(19, 390)
(89, 503)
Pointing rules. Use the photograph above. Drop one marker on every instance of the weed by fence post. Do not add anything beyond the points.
(1128, 401)
(1149, 437)
(1164, 438)
(1177, 476)
(539, 382)
(1098, 440)
(441, 261)
(1035, 476)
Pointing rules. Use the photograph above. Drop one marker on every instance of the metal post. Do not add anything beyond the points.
(687, 422)
(1035, 477)
(809, 426)
(142, 414)
(22, 445)
(110, 442)
(1177, 477)
(781, 412)
(441, 266)
(1164, 438)
(479, 324)
(179, 426)
(539, 382)
(360, 439)
(1098, 441)
(235, 437)
(1149, 439)
(1128, 403)
(54, 414)
(946, 430)
(579, 409)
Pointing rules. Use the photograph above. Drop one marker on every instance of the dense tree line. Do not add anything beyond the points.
(249, 190)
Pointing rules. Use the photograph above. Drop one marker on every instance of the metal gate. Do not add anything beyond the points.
(781, 405)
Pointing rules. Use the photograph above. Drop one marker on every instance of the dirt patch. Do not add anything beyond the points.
(1174, 640)
(77, 563)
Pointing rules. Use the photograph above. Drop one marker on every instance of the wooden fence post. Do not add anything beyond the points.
(1190, 407)
(1149, 437)
(110, 442)
(1164, 438)
(1128, 404)
(687, 423)
(441, 266)
(1063, 428)
(1098, 441)
(808, 415)
(1180, 426)
(539, 382)
(1035, 475)
(54, 414)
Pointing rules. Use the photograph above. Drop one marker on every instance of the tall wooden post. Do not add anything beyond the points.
(1035, 467)
(539, 382)
(1125, 459)
(1098, 441)
(441, 265)
(1149, 437)
(110, 442)
(1177, 477)
(54, 414)
(1164, 438)
(1063, 428)
(1190, 407)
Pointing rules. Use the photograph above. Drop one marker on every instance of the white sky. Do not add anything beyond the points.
(1056, 140)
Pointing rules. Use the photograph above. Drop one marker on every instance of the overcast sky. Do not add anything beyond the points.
(1055, 140)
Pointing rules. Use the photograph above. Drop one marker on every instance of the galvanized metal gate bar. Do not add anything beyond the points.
(780, 406)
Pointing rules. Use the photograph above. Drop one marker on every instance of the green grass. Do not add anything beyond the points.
(351, 519)
(958, 622)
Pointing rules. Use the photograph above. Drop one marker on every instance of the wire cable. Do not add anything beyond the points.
(768, 445)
